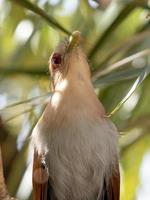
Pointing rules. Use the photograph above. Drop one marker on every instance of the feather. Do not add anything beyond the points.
(40, 179)
(76, 140)
(111, 188)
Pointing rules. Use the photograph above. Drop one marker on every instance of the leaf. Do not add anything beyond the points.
(49, 19)
(117, 76)
(124, 46)
(26, 101)
(127, 44)
(123, 14)
(34, 103)
(120, 63)
(138, 81)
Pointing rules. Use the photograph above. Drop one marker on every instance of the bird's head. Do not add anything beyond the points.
(68, 62)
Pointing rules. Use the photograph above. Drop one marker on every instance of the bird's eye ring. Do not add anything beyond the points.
(56, 60)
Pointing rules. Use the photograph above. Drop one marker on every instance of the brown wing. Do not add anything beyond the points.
(40, 179)
(111, 190)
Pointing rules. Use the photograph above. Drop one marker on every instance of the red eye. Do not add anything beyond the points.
(56, 59)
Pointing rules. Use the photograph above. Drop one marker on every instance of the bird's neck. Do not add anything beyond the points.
(77, 95)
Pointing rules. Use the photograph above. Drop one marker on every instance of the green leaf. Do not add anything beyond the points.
(100, 41)
(120, 63)
(117, 76)
(138, 81)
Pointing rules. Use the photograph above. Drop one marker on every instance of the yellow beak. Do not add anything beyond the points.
(74, 40)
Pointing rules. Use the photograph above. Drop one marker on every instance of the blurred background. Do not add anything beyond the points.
(116, 39)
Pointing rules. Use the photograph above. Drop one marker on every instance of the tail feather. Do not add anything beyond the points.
(111, 191)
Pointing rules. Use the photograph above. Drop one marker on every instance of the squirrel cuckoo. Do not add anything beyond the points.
(75, 144)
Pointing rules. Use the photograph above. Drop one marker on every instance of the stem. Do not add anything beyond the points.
(49, 19)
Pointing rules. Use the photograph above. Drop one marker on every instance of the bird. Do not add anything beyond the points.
(75, 143)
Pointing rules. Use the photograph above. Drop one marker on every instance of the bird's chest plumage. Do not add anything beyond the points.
(79, 152)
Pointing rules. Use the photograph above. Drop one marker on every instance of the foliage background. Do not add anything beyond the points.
(112, 30)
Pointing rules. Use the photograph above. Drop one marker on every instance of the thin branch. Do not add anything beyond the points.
(120, 63)
(23, 112)
(33, 71)
(49, 19)
(26, 101)
(18, 114)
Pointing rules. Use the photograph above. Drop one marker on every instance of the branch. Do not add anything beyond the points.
(3, 190)
(7, 70)
(31, 100)
(49, 19)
